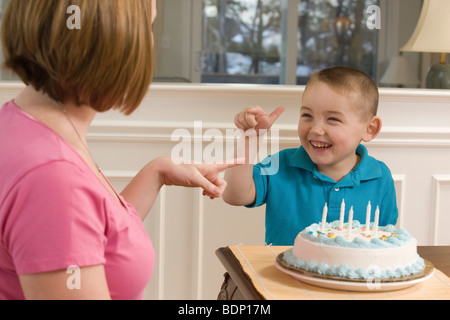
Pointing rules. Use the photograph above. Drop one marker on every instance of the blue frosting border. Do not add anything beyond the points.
(346, 272)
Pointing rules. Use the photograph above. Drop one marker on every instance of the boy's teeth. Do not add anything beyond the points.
(320, 145)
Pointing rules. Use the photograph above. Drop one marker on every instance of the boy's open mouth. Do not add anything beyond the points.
(320, 145)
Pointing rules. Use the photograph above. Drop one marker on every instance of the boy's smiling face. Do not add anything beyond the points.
(331, 128)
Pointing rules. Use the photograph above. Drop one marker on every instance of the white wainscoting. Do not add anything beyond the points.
(187, 228)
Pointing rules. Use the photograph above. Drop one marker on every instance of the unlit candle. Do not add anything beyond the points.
(369, 209)
(376, 222)
(324, 218)
(350, 222)
(341, 218)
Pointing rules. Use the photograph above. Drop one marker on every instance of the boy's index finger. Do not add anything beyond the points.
(276, 114)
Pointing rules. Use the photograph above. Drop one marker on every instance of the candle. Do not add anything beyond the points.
(369, 209)
(377, 220)
(324, 218)
(341, 219)
(350, 222)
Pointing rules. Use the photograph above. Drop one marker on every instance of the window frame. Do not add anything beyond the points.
(387, 43)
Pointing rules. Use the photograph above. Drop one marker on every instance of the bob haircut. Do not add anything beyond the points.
(107, 64)
(353, 83)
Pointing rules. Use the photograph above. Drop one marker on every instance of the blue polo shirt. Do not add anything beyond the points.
(295, 193)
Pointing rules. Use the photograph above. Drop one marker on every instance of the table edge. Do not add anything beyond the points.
(235, 270)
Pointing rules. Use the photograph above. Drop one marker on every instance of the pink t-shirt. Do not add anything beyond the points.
(55, 213)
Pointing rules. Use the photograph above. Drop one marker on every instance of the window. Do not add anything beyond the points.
(248, 40)
(275, 41)
(241, 41)
(278, 41)
(336, 33)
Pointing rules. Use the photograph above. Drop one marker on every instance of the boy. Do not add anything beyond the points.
(339, 110)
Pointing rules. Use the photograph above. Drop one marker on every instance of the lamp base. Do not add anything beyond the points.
(438, 76)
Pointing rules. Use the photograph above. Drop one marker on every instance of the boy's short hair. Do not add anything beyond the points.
(347, 81)
(107, 64)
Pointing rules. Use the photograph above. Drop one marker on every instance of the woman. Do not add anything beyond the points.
(58, 212)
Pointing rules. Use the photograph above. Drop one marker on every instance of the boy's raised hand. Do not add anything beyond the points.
(254, 122)
(255, 118)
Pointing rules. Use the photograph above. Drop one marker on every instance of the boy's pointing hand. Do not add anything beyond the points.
(255, 118)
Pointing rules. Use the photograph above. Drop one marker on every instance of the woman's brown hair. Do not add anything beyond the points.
(106, 64)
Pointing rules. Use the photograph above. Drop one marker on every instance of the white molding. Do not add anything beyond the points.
(161, 132)
(120, 175)
(386, 94)
(161, 243)
(199, 214)
(413, 137)
(397, 101)
(438, 181)
(400, 179)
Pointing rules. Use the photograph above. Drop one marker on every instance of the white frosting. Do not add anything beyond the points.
(387, 258)
(389, 253)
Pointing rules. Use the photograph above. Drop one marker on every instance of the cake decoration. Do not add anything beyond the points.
(370, 230)
(355, 251)
(360, 237)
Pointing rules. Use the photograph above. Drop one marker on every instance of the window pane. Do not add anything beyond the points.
(241, 41)
(335, 32)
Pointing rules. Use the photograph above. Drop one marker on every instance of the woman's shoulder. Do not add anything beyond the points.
(27, 145)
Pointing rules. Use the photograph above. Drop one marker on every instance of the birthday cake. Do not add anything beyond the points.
(355, 251)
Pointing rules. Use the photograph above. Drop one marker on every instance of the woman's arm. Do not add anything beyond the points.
(87, 283)
(144, 188)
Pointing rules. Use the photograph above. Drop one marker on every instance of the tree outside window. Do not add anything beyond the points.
(243, 41)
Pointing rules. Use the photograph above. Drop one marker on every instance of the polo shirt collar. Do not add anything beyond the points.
(367, 169)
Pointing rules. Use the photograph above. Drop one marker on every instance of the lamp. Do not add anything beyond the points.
(399, 73)
(432, 34)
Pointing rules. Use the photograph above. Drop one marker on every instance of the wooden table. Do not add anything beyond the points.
(242, 266)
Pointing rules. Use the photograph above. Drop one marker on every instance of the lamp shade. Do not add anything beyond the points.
(432, 33)
(399, 73)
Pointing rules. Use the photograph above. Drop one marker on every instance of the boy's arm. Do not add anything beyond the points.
(240, 189)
